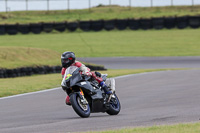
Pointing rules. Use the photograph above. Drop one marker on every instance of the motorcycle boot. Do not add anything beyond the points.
(105, 88)
(67, 101)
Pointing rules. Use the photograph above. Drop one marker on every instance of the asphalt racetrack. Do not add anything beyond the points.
(155, 98)
(145, 62)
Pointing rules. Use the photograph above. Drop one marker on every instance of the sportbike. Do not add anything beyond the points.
(86, 96)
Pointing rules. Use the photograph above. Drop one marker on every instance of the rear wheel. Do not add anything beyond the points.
(83, 110)
(114, 106)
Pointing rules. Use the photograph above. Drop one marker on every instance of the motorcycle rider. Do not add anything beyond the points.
(69, 59)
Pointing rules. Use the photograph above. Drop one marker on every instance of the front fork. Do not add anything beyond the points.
(83, 100)
(111, 84)
(110, 96)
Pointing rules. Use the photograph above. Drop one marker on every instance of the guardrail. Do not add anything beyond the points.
(98, 25)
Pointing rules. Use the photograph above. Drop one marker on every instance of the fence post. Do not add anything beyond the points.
(47, 5)
(151, 3)
(26, 5)
(6, 5)
(109, 5)
(89, 4)
(192, 2)
(172, 3)
(68, 5)
(129, 4)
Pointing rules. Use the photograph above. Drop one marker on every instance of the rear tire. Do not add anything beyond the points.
(114, 106)
(82, 110)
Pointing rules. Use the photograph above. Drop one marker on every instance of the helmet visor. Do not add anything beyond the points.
(65, 61)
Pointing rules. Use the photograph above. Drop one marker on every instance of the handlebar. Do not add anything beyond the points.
(86, 77)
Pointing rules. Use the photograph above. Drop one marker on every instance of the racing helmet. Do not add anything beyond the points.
(67, 59)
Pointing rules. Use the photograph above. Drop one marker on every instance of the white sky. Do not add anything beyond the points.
(14, 5)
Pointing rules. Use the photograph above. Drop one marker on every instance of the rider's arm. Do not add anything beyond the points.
(63, 72)
(85, 70)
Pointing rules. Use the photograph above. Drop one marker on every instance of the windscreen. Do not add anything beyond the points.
(71, 77)
(70, 70)
(68, 73)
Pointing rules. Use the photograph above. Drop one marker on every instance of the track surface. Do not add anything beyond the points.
(147, 99)
(145, 62)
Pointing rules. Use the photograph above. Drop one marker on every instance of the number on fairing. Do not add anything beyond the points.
(83, 83)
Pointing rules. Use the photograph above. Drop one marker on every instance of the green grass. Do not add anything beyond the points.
(20, 85)
(13, 86)
(178, 128)
(97, 13)
(45, 49)
(13, 57)
(114, 43)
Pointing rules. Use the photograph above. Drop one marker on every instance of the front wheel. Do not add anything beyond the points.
(114, 106)
(83, 110)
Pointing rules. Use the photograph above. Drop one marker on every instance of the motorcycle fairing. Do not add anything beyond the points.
(98, 102)
(71, 77)
(98, 106)
(96, 95)
(86, 87)
(75, 78)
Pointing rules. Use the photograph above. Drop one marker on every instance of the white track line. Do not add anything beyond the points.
(30, 93)
(144, 73)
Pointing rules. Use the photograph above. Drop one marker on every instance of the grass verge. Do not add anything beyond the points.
(13, 57)
(103, 12)
(178, 128)
(13, 86)
(114, 43)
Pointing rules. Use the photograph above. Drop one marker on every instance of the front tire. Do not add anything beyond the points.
(114, 106)
(82, 110)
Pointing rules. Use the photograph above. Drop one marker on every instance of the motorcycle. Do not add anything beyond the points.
(86, 96)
